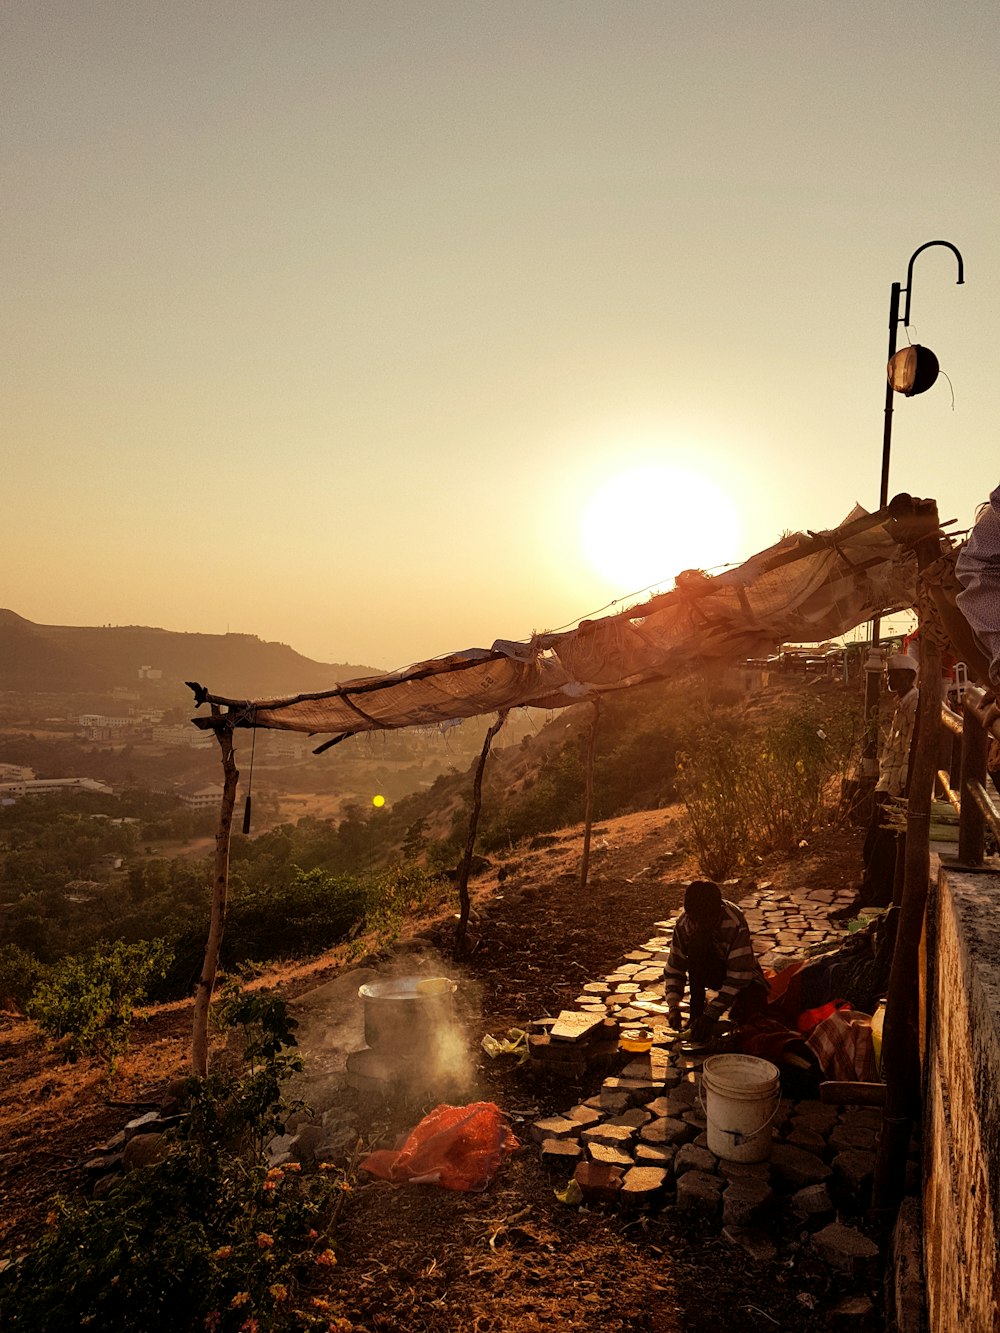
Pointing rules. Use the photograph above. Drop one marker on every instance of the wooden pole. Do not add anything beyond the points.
(900, 1057)
(465, 864)
(589, 795)
(220, 891)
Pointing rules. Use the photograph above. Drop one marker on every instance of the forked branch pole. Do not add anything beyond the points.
(466, 863)
(220, 893)
(588, 813)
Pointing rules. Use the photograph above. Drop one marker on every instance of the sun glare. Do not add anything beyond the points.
(645, 525)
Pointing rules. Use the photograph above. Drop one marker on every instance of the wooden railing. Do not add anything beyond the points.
(970, 748)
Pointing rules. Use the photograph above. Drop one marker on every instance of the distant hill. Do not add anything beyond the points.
(72, 659)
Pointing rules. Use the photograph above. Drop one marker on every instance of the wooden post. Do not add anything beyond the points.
(470, 842)
(900, 1057)
(220, 890)
(589, 795)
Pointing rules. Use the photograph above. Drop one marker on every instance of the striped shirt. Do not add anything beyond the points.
(732, 943)
(894, 762)
(978, 571)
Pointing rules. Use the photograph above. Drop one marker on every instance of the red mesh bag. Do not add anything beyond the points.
(456, 1147)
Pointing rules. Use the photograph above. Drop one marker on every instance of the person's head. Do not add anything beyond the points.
(901, 672)
(703, 903)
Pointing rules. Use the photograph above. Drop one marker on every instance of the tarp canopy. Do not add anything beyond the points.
(808, 587)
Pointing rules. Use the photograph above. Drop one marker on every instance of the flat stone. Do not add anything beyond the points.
(853, 1136)
(615, 1136)
(654, 1154)
(614, 1103)
(745, 1170)
(799, 1136)
(599, 1182)
(862, 1117)
(798, 1168)
(596, 988)
(743, 1202)
(853, 1172)
(690, 1158)
(695, 1117)
(555, 1127)
(812, 1205)
(699, 1192)
(573, 1026)
(584, 1115)
(635, 1119)
(854, 1314)
(143, 1150)
(559, 1151)
(643, 1186)
(606, 1155)
(665, 1131)
(846, 1250)
(815, 1115)
(142, 1123)
(754, 1242)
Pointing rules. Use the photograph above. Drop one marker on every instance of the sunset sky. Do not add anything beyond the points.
(387, 329)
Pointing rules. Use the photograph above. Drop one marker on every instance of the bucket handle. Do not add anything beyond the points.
(737, 1135)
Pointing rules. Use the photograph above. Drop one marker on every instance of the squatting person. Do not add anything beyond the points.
(711, 950)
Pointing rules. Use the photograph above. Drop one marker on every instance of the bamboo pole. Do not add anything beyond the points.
(465, 864)
(220, 892)
(589, 795)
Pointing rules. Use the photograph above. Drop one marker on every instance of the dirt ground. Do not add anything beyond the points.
(512, 1259)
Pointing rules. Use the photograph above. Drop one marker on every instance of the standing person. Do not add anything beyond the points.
(879, 854)
(711, 949)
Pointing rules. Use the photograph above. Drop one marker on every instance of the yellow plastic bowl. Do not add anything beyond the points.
(635, 1039)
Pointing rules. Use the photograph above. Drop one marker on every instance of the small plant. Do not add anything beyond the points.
(87, 1001)
(209, 1238)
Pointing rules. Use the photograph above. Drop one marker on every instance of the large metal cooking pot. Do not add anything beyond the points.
(408, 1015)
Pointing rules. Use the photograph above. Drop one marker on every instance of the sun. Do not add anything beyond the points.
(643, 526)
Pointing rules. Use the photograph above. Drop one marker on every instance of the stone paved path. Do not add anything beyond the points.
(643, 1142)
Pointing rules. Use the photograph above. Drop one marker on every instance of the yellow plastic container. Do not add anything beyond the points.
(636, 1040)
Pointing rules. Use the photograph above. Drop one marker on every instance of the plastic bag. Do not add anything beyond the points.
(456, 1147)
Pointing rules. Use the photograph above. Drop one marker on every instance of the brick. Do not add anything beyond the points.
(846, 1250)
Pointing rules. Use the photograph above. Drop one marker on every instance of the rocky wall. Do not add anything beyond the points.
(961, 1192)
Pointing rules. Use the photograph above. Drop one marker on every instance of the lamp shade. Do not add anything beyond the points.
(913, 370)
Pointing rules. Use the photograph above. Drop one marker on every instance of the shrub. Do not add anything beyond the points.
(760, 792)
(88, 999)
(20, 973)
(208, 1238)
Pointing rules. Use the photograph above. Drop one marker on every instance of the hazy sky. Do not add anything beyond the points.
(349, 324)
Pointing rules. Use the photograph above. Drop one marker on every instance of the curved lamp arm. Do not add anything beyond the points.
(909, 272)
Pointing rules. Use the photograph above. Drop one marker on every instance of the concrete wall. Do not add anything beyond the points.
(961, 1131)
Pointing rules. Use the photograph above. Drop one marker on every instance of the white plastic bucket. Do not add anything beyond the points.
(742, 1094)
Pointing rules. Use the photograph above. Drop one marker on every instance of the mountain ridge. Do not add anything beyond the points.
(59, 659)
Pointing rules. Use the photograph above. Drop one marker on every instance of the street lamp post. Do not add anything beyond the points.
(910, 385)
